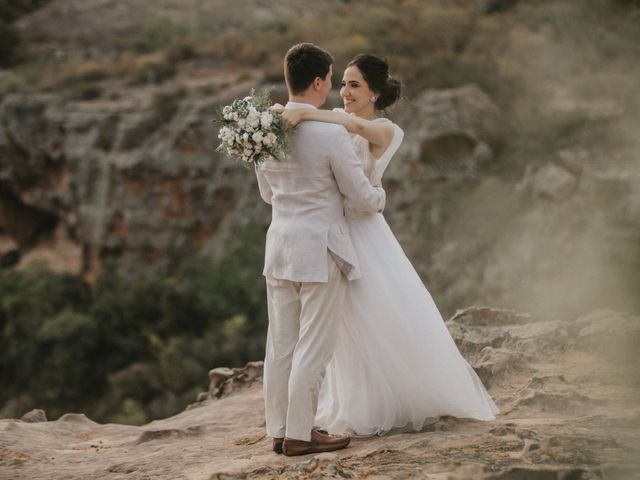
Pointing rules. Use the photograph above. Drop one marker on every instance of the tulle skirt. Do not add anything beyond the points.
(395, 363)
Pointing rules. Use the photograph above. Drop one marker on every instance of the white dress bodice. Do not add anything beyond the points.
(374, 168)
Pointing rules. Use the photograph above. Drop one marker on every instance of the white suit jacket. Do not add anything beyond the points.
(306, 192)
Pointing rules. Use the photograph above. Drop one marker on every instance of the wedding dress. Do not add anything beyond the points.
(395, 364)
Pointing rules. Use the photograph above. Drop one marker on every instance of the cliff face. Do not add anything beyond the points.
(529, 205)
(138, 181)
(567, 393)
(502, 213)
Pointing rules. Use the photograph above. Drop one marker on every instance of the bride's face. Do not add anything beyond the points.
(355, 92)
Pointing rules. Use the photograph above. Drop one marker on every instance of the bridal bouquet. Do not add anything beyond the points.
(250, 131)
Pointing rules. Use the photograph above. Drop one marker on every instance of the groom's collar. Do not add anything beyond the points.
(299, 105)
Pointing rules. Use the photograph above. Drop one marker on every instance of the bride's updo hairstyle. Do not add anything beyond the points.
(375, 71)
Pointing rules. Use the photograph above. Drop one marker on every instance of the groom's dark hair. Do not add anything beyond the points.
(303, 63)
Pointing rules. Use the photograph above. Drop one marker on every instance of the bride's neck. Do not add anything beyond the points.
(368, 115)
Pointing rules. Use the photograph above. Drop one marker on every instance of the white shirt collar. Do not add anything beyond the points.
(299, 105)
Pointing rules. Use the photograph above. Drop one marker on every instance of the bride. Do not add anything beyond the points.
(395, 363)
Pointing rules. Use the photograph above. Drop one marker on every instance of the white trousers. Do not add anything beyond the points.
(303, 326)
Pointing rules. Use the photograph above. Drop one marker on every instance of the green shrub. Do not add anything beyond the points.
(86, 92)
(156, 35)
(31, 304)
(130, 349)
(68, 341)
(152, 70)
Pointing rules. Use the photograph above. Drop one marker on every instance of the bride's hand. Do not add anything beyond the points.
(293, 116)
(278, 108)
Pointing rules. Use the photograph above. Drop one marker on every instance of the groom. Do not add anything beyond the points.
(309, 257)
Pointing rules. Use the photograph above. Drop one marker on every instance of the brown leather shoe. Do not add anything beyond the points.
(320, 442)
(277, 445)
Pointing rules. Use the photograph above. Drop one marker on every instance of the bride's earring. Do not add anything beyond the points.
(374, 98)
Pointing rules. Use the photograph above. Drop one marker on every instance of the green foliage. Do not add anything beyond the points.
(430, 44)
(153, 71)
(157, 35)
(129, 349)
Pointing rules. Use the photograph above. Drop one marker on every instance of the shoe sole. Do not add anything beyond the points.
(319, 449)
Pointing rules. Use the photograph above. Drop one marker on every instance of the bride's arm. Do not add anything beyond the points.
(378, 134)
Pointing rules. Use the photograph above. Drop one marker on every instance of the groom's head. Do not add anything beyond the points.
(307, 71)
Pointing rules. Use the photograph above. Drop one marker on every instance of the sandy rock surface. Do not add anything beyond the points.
(567, 393)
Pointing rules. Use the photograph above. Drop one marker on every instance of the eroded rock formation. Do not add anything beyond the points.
(136, 181)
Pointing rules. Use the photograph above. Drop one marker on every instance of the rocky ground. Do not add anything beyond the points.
(567, 393)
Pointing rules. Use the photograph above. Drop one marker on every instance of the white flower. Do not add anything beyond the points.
(252, 119)
(249, 130)
(266, 119)
(227, 112)
(257, 137)
(270, 139)
(225, 134)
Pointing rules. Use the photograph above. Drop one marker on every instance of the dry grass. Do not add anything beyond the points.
(513, 55)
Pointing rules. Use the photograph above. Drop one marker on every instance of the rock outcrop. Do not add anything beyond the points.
(135, 181)
(554, 235)
(138, 181)
(567, 393)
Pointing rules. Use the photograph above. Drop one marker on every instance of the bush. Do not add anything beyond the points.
(130, 349)
(33, 305)
(157, 35)
(151, 70)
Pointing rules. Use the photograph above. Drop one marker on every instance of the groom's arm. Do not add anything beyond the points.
(352, 182)
(265, 189)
